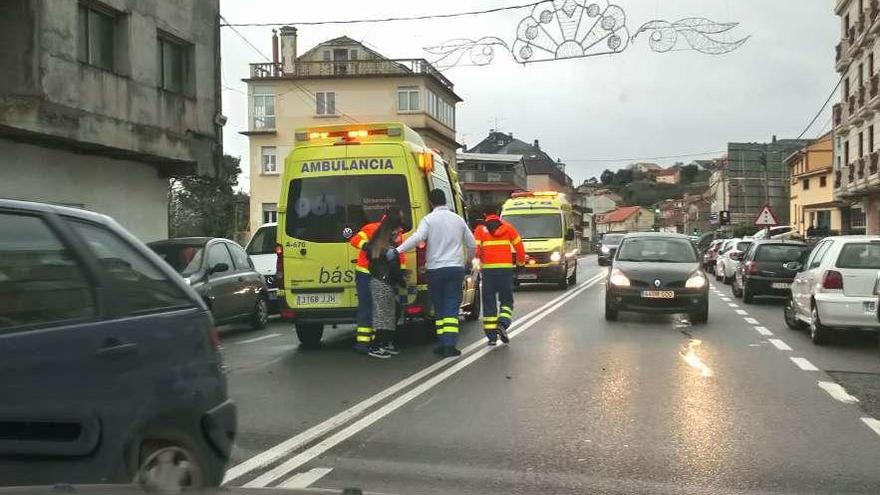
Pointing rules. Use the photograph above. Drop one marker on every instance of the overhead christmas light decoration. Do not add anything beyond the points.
(564, 29)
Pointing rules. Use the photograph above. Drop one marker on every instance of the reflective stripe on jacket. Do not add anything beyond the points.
(496, 242)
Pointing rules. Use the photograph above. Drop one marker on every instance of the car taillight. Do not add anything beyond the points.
(279, 266)
(752, 268)
(421, 260)
(832, 280)
(415, 309)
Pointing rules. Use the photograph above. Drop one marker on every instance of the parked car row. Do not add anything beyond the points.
(833, 286)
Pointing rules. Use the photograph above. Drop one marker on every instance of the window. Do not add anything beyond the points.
(846, 152)
(541, 226)
(176, 65)
(657, 250)
(217, 253)
(440, 109)
(137, 285)
(186, 259)
(263, 241)
(270, 212)
(327, 56)
(871, 64)
(846, 25)
(870, 139)
(857, 219)
(407, 99)
(239, 257)
(96, 37)
(40, 281)
(353, 54)
(267, 158)
(823, 181)
(846, 88)
(325, 102)
(861, 144)
(264, 111)
(817, 254)
(861, 75)
(806, 184)
(860, 255)
(779, 253)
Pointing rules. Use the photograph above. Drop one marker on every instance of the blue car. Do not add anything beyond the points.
(110, 363)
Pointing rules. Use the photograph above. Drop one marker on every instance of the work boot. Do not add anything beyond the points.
(502, 334)
(451, 351)
(492, 343)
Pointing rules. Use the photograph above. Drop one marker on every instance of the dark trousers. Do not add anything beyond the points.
(497, 290)
(364, 336)
(444, 287)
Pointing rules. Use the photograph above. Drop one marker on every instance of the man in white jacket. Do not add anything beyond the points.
(450, 245)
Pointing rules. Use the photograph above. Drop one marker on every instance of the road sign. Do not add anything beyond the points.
(766, 218)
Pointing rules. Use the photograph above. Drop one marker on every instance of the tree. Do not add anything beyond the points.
(200, 205)
(623, 177)
(607, 177)
(689, 174)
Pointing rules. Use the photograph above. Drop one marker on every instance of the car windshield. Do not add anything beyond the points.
(612, 239)
(656, 250)
(541, 226)
(743, 245)
(779, 253)
(864, 255)
(263, 241)
(185, 258)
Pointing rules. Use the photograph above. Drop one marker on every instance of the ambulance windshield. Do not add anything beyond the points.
(543, 226)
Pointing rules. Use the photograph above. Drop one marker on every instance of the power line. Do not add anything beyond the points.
(385, 19)
(645, 158)
(824, 105)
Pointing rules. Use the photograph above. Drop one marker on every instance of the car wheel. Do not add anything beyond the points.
(310, 334)
(260, 316)
(563, 283)
(717, 275)
(472, 312)
(610, 311)
(734, 288)
(747, 295)
(726, 280)
(169, 461)
(791, 319)
(702, 316)
(819, 333)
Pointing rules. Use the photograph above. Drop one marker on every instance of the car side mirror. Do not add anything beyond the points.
(569, 235)
(736, 256)
(219, 268)
(794, 266)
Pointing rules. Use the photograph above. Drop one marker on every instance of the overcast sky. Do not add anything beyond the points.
(636, 104)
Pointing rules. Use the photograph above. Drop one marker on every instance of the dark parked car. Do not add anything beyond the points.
(761, 271)
(607, 247)
(223, 274)
(110, 362)
(657, 273)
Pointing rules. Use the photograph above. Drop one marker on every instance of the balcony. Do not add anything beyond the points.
(837, 175)
(851, 173)
(351, 68)
(863, 91)
(860, 168)
(842, 55)
(837, 114)
(873, 158)
(482, 177)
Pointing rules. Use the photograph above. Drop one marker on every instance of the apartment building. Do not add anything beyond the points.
(101, 102)
(490, 178)
(856, 176)
(812, 188)
(336, 82)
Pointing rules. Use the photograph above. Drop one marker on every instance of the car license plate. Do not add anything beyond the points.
(527, 276)
(658, 294)
(780, 285)
(870, 307)
(317, 299)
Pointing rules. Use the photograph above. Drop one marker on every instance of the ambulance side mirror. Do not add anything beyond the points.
(569, 235)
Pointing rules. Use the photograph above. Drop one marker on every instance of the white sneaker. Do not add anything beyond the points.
(379, 353)
(390, 348)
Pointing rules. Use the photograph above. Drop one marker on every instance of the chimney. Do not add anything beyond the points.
(288, 49)
(774, 138)
(510, 135)
(275, 46)
(537, 145)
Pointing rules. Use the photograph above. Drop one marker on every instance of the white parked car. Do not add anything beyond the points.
(835, 287)
(728, 259)
(261, 250)
(778, 232)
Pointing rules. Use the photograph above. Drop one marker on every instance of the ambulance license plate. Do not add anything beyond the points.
(658, 294)
(317, 299)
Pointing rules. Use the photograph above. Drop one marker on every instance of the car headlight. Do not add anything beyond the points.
(605, 250)
(697, 281)
(555, 256)
(618, 279)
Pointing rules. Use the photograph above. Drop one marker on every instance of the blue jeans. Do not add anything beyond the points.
(364, 335)
(444, 287)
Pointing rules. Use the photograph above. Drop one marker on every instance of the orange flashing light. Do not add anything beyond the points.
(358, 134)
(319, 135)
(426, 162)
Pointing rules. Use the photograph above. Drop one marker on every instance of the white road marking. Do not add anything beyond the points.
(732, 305)
(742, 312)
(323, 446)
(763, 331)
(304, 480)
(751, 321)
(872, 424)
(782, 346)
(804, 364)
(257, 339)
(725, 299)
(293, 443)
(838, 392)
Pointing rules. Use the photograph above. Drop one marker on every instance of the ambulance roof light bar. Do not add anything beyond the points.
(535, 194)
(348, 134)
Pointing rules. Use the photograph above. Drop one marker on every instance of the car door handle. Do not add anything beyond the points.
(115, 347)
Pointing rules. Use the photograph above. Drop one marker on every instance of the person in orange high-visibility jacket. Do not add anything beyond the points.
(499, 247)
(365, 336)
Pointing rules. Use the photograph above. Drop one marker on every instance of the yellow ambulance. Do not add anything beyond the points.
(337, 179)
(545, 221)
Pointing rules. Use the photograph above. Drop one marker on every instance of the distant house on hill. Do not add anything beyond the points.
(626, 219)
(542, 172)
(645, 167)
(667, 176)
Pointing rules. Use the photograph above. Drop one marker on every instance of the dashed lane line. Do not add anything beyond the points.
(804, 364)
(258, 339)
(872, 423)
(837, 392)
(733, 305)
(742, 312)
(779, 344)
(751, 321)
(302, 481)
(763, 330)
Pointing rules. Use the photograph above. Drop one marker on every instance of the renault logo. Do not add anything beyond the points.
(347, 232)
(657, 283)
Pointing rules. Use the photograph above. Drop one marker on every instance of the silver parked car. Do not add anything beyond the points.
(834, 287)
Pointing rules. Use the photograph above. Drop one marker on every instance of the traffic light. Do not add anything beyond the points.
(724, 217)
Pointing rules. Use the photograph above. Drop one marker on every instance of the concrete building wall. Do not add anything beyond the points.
(357, 99)
(130, 192)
